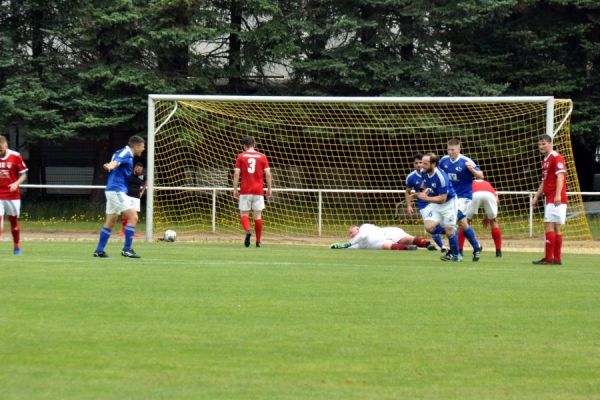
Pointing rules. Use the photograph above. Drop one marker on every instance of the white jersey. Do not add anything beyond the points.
(373, 237)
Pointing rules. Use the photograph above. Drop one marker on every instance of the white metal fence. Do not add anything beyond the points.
(215, 190)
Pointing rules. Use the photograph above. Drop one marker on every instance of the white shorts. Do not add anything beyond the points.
(444, 214)
(135, 203)
(117, 202)
(487, 200)
(252, 202)
(10, 207)
(426, 212)
(394, 234)
(557, 215)
(462, 205)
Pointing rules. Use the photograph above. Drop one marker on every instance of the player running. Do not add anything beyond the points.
(369, 236)
(119, 170)
(414, 182)
(13, 172)
(484, 195)
(438, 191)
(554, 189)
(461, 170)
(253, 168)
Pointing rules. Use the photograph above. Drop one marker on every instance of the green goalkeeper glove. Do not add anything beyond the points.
(340, 245)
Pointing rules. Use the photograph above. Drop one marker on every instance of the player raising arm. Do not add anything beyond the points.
(369, 236)
(554, 189)
(13, 172)
(253, 168)
(462, 170)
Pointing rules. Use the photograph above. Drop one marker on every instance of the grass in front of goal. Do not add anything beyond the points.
(218, 321)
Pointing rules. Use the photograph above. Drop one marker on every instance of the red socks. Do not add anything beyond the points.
(245, 221)
(550, 243)
(15, 230)
(258, 225)
(399, 246)
(497, 236)
(557, 247)
(461, 239)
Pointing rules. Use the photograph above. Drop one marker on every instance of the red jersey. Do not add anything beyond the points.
(553, 165)
(11, 166)
(252, 166)
(480, 185)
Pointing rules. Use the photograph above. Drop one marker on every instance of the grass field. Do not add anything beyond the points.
(217, 321)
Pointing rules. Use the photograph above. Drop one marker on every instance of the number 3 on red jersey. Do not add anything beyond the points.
(251, 165)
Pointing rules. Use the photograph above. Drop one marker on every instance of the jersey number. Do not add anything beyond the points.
(251, 165)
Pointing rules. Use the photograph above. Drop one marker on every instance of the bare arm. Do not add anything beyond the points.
(440, 199)
(269, 180)
(537, 194)
(476, 174)
(560, 181)
(109, 166)
(14, 186)
(236, 181)
(408, 195)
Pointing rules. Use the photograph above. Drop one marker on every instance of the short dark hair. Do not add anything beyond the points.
(545, 138)
(248, 141)
(433, 158)
(453, 142)
(418, 156)
(135, 140)
(138, 164)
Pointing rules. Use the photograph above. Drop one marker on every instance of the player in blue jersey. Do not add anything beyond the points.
(119, 170)
(440, 195)
(462, 170)
(414, 181)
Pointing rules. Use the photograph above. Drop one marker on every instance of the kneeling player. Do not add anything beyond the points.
(369, 236)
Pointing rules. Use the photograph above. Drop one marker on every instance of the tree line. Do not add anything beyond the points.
(73, 69)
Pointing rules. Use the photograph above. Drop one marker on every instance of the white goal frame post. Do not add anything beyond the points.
(153, 129)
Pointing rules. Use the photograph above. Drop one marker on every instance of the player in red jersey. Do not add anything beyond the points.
(554, 189)
(13, 172)
(253, 168)
(484, 195)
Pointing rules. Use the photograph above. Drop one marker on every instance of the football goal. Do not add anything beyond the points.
(338, 161)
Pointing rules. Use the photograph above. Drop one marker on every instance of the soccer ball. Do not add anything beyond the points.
(170, 235)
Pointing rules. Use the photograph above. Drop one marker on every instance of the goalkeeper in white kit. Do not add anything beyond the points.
(369, 236)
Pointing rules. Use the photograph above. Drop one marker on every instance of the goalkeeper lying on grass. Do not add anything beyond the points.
(368, 236)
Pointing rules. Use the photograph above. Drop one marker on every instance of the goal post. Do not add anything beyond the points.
(342, 160)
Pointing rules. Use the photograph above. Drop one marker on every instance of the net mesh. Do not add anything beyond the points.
(337, 163)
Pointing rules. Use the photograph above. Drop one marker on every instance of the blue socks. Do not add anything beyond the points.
(453, 241)
(129, 232)
(438, 240)
(470, 235)
(436, 235)
(104, 236)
